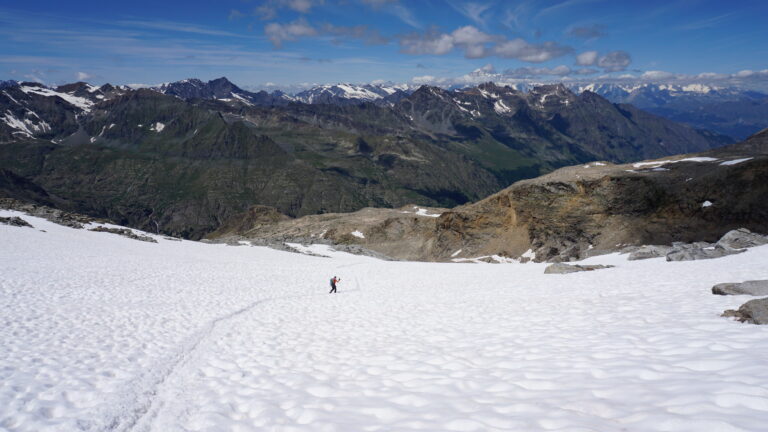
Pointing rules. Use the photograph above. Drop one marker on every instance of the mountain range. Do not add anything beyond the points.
(728, 111)
(183, 157)
(572, 213)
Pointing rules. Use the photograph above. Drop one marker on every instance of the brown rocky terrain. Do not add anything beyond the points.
(569, 213)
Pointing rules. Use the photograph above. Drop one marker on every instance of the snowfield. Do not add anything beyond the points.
(104, 333)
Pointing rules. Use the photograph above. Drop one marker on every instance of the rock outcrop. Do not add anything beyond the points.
(699, 251)
(125, 232)
(741, 238)
(72, 220)
(14, 221)
(753, 312)
(649, 251)
(753, 288)
(561, 268)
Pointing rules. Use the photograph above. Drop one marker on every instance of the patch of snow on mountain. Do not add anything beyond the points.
(594, 164)
(157, 127)
(697, 88)
(15, 123)
(500, 107)
(664, 162)
(424, 212)
(354, 92)
(26, 126)
(529, 254)
(735, 161)
(82, 103)
(358, 234)
(706, 204)
(487, 94)
(459, 103)
(241, 98)
(11, 98)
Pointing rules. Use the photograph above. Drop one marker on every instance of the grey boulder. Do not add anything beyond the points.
(561, 268)
(741, 238)
(649, 251)
(753, 311)
(699, 251)
(755, 288)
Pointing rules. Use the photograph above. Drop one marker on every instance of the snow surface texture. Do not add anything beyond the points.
(103, 333)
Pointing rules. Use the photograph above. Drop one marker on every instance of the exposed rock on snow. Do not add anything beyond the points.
(125, 232)
(649, 251)
(15, 221)
(562, 268)
(742, 238)
(60, 217)
(753, 312)
(753, 288)
(699, 251)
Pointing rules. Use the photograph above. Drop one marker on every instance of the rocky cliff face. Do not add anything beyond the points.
(571, 212)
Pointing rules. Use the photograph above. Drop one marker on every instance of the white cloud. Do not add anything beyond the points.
(615, 61)
(430, 43)
(532, 53)
(657, 75)
(587, 58)
(488, 69)
(472, 41)
(473, 11)
(478, 44)
(277, 33)
(469, 35)
(530, 72)
(83, 76)
(268, 10)
(395, 8)
(712, 75)
(302, 6)
(424, 79)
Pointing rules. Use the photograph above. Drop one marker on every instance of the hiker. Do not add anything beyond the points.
(334, 281)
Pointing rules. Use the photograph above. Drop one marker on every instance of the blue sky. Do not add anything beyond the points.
(293, 42)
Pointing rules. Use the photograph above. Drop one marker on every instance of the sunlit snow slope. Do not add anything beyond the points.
(103, 333)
